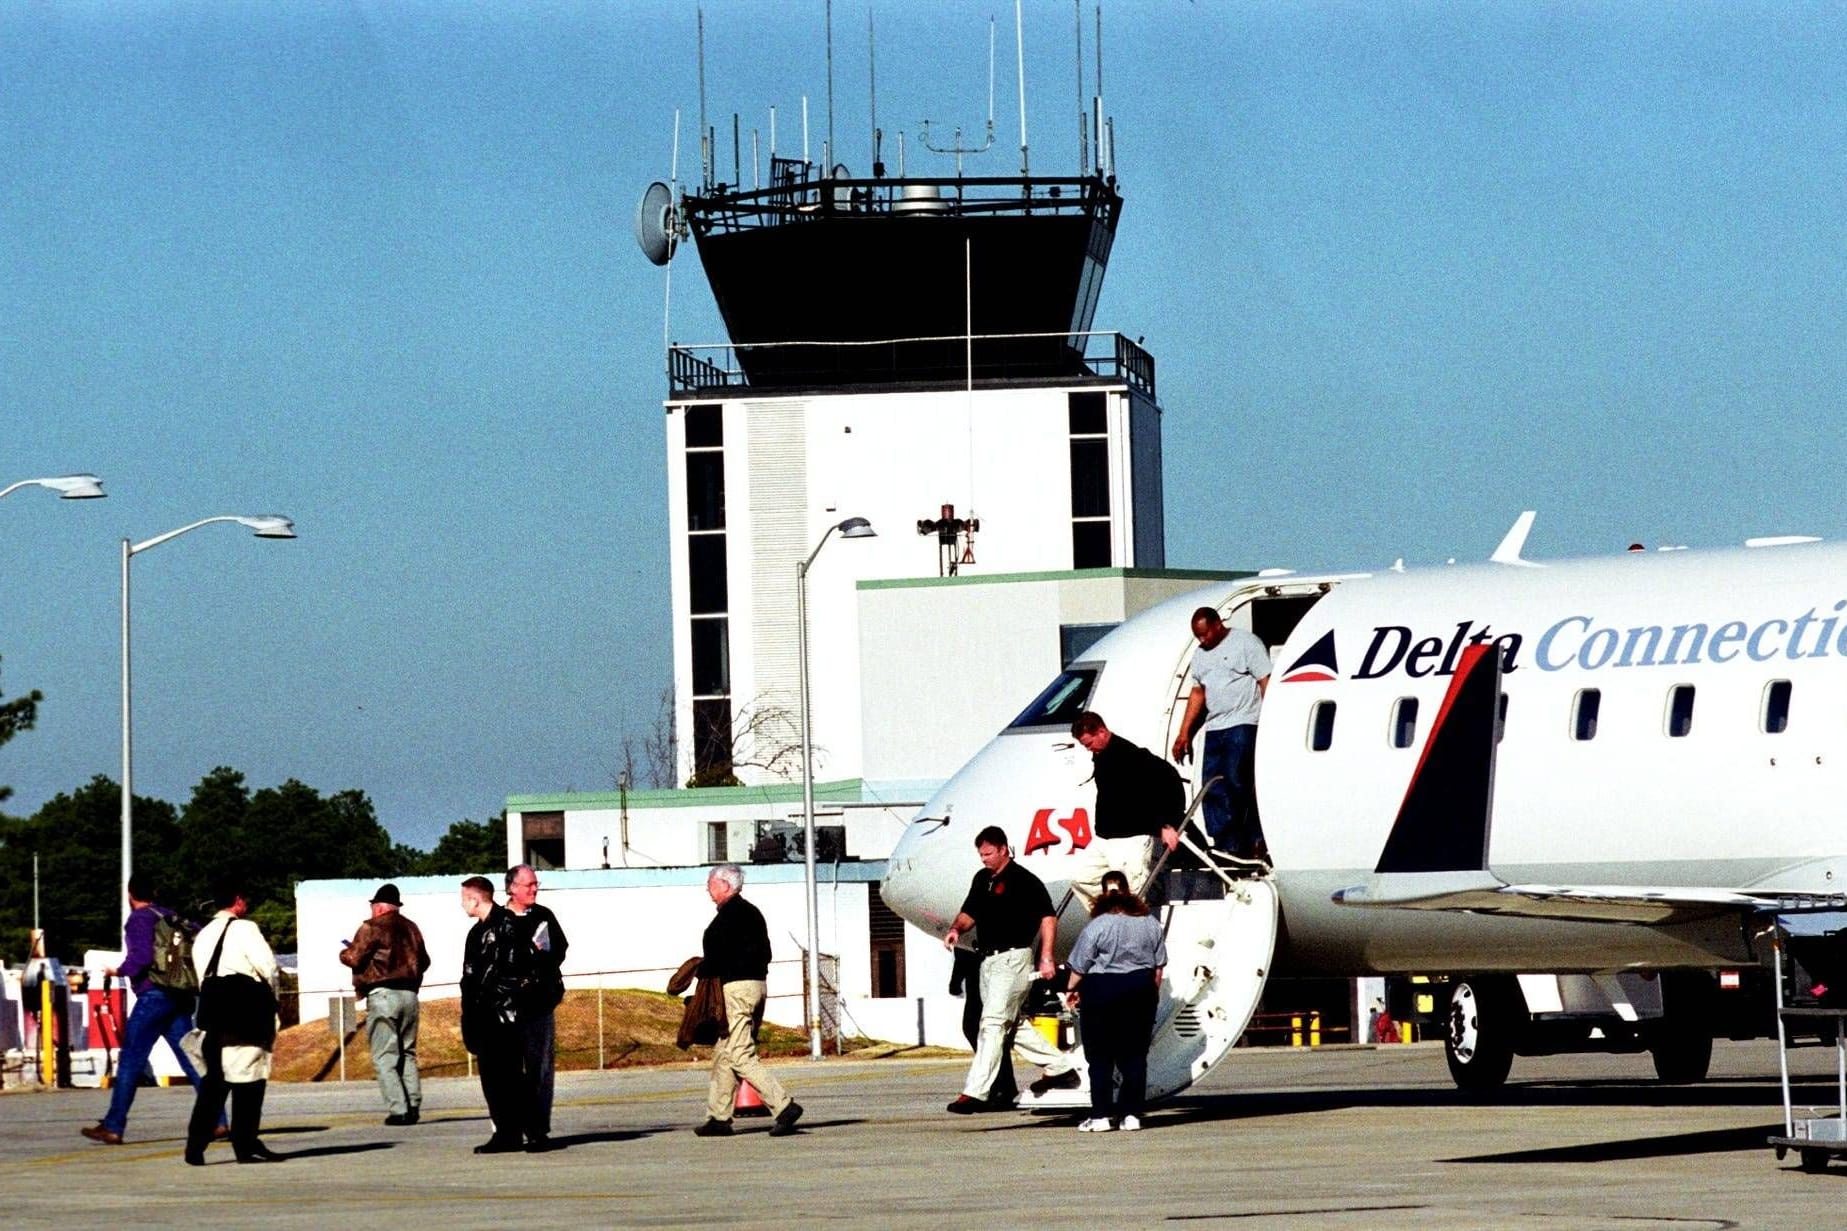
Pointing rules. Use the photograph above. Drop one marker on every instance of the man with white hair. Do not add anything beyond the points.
(737, 954)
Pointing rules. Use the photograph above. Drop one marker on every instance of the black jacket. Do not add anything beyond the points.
(498, 966)
(1137, 792)
(737, 944)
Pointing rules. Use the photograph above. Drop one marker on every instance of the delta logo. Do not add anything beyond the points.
(1316, 663)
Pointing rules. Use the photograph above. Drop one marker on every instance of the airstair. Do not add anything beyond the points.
(1220, 918)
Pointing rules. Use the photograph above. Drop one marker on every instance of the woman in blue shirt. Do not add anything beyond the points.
(1118, 961)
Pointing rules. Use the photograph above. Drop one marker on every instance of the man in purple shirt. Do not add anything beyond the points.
(158, 1013)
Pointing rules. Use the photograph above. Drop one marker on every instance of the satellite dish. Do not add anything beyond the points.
(656, 224)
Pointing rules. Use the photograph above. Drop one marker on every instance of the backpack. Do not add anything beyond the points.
(172, 970)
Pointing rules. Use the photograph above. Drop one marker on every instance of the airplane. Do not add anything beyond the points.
(1578, 789)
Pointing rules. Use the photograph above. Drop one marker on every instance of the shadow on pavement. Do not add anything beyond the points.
(1712, 1141)
(362, 1147)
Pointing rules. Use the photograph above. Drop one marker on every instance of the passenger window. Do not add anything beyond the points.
(1404, 722)
(1680, 710)
(1584, 713)
(1776, 707)
(1321, 726)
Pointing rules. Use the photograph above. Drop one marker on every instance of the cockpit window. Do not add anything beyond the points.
(1062, 701)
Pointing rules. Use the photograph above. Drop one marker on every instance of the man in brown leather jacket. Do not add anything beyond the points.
(388, 961)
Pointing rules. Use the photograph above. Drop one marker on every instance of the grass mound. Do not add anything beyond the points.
(638, 1030)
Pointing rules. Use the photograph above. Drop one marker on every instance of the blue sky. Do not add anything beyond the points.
(1405, 269)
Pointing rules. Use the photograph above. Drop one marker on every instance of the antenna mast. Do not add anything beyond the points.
(828, 149)
(1083, 139)
(705, 145)
(1019, 46)
(872, 87)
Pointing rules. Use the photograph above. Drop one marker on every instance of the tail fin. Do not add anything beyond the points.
(1442, 824)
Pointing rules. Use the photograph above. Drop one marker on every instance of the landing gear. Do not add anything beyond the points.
(1485, 1014)
(1681, 1042)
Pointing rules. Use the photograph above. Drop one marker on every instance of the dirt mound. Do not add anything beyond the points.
(638, 1029)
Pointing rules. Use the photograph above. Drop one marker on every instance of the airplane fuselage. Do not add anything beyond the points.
(1671, 719)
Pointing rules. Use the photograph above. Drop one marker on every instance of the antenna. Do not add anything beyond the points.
(872, 89)
(957, 148)
(756, 165)
(772, 132)
(1019, 46)
(737, 169)
(1096, 129)
(828, 149)
(804, 128)
(705, 152)
(1083, 141)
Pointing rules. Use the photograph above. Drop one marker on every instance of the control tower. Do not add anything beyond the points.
(915, 350)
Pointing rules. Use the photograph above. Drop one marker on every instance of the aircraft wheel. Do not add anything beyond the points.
(1681, 1058)
(1484, 1014)
(1681, 1042)
(1814, 1160)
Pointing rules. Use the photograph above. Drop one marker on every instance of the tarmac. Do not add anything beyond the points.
(1335, 1138)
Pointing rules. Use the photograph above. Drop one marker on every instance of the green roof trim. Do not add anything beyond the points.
(847, 791)
(1085, 574)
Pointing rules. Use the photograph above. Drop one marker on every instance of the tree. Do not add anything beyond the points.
(76, 837)
(19, 714)
(468, 848)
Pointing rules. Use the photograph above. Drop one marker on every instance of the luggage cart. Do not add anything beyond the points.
(1815, 1133)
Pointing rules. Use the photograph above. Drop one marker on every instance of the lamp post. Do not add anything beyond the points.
(68, 487)
(268, 526)
(851, 528)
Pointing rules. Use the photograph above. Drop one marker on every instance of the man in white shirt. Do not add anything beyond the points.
(1230, 671)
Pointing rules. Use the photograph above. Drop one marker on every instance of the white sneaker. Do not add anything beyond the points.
(1095, 1125)
(1129, 1124)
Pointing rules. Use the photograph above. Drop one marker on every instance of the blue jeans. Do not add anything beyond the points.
(156, 1015)
(1231, 803)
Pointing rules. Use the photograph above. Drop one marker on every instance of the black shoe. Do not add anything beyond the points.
(785, 1120)
(1067, 1080)
(540, 1145)
(195, 1159)
(412, 1116)
(260, 1153)
(500, 1145)
(397, 1121)
(713, 1128)
(965, 1106)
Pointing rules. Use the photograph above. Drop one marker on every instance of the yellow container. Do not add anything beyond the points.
(1047, 1026)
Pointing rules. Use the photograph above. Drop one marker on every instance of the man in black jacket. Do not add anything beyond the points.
(498, 965)
(1140, 799)
(545, 945)
(737, 953)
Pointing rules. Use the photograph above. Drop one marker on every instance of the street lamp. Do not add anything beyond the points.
(267, 526)
(851, 528)
(68, 487)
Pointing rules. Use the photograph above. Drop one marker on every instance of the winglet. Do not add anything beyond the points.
(1515, 542)
(1442, 824)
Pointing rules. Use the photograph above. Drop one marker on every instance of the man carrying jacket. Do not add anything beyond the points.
(388, 962)
(736, 949)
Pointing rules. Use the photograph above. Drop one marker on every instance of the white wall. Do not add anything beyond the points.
(626, 929)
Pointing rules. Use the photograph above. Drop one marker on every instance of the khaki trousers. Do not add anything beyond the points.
(1006, 977)
(1130, 856)
(735, 1056)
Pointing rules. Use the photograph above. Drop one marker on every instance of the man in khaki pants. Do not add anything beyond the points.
(737, 954)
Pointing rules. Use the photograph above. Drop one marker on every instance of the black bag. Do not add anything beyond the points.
(237, 1008)
(172, 970)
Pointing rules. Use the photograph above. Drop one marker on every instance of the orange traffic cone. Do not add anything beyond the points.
(749, 1102)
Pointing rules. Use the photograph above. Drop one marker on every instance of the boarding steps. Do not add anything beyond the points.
(1220, 919)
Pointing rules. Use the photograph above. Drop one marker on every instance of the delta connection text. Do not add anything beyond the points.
(1581, 641)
